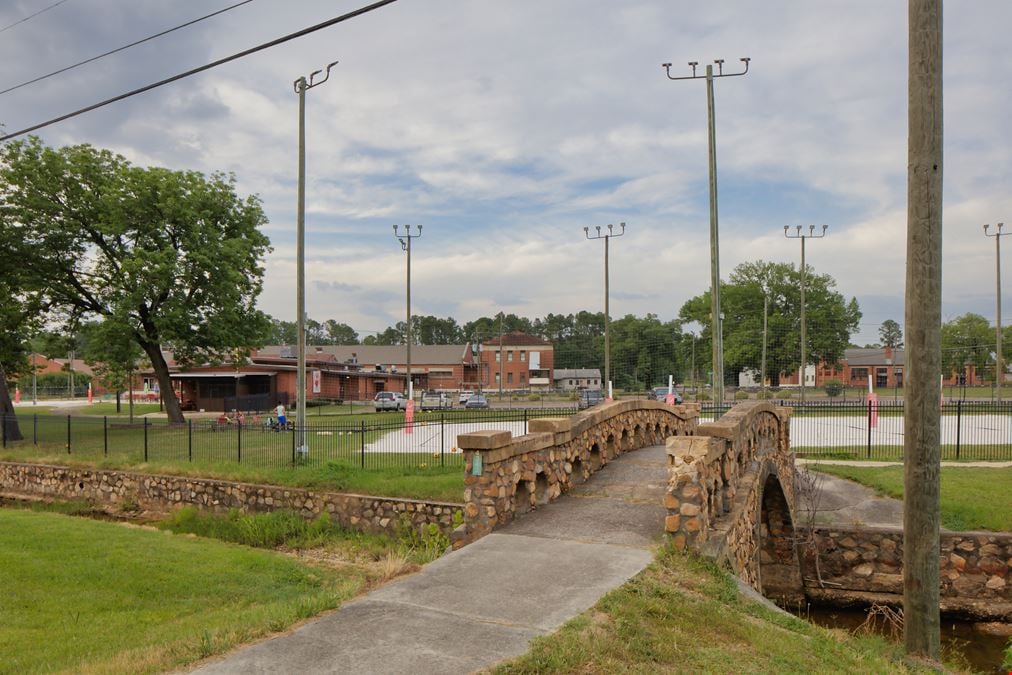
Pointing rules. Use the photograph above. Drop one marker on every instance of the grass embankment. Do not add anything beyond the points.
(683, 615)
(972, 498)
(87, 596)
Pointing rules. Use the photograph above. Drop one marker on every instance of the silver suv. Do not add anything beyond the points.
(390, 400)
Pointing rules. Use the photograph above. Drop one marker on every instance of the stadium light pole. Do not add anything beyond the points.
(715, 328)
(405, 240)
(302, 85)
(607, 316)
(799, 234)
(999, 366)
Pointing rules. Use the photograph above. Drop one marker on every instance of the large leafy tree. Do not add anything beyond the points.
(174, 257)
(830, 318)
(22, 310)
(967, 340)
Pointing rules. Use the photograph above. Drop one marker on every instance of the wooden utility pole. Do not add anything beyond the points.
(923, 331)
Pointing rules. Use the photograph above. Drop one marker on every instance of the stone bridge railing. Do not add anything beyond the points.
(731, 493)
(508, 476)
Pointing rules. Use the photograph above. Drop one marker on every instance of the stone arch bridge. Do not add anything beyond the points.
(730, 483)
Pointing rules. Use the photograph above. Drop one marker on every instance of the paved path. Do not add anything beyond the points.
(485, 602)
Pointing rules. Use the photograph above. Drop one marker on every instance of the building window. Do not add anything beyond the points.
(509, 355)
(523, 376)
(509, 378)
(595, 381)
(497, 378)
(498, 356)
(523, 354)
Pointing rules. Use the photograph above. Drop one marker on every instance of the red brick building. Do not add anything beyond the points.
(519, 361)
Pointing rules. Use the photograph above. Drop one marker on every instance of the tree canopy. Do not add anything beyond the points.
(172, 257)
(830, 319)
(891, 334)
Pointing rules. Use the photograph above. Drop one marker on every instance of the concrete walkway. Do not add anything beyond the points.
(862, 462)
(485, 602)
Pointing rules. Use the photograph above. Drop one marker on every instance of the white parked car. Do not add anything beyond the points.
(390, 400)
(464, 395)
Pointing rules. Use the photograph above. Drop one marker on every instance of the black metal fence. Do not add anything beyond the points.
(370, 442)
(855, 430)
(970, 430)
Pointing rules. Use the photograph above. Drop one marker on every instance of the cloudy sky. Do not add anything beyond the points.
(506, 127)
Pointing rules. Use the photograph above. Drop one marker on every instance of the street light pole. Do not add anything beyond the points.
(715, 328)
(999, 365)
(804, 334)
(762, 374)
(405, 240)
(302, 85)
(607, 315)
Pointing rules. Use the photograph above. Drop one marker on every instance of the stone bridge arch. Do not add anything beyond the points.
(731, 496)
(507, 476)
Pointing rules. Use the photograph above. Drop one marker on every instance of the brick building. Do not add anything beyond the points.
(518, 361)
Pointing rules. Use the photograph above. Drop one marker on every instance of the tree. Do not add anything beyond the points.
(23, 310)
(340, 333)
(891, 334)
(830, 319)
(174, 257)
(109, 348)
(431, 330)
(967, 340)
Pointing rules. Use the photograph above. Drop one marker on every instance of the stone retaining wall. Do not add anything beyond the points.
(864, 565)
(113, 490)
(506, 476)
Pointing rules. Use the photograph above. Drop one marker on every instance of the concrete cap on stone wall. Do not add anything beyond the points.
(484, 440)
(689, 448)
(552, 425)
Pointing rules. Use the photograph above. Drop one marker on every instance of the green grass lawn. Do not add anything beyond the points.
(683, 615)
(87, 596)
(972, 498)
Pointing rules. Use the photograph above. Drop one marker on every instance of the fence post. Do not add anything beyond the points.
(293, 444)
(68, 434)
(869, 429)
(105, 435)
(525, 420)
(145, 440)
(189, 439)
(363, 444)
(442, 439)
(959, 424)
(238, 442)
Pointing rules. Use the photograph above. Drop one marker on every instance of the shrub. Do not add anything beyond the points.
(740, 395)
(703, 396)
(786, 394)
(833, 388)
(534, 397)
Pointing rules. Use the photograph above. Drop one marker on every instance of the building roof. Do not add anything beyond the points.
(371, 355)
(877, 356)
(576, 373)
(517, 339)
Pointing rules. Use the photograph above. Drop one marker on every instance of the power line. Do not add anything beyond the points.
(44, 9)
(119, 49)
(273, 43)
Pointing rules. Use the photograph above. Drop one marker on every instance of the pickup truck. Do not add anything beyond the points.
(436, 401)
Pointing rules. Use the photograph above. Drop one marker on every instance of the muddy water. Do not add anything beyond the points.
(962, 641)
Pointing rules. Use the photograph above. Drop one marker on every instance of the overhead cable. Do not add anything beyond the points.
(119, 49)
(20, 21)
(291, 36)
